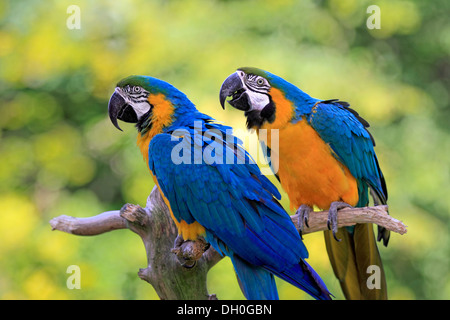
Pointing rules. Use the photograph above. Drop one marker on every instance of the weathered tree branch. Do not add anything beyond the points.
(104, 222)
(157, 230)
(351, 216)
(180, 272)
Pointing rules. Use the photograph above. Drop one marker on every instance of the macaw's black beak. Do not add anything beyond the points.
(233, 87)
(119, 109)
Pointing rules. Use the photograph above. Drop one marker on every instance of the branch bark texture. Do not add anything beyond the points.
(177, 269)
(351, 216)
(154, 225)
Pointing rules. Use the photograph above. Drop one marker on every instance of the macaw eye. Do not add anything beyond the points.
(136, 89)
(260, 81)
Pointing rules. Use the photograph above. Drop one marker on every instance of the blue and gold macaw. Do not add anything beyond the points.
(324, 157)
(213, 189)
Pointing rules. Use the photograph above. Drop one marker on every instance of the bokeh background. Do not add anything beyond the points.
(59, 154)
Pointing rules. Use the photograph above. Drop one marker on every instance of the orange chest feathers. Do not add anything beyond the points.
(162, 113)
(307, 169)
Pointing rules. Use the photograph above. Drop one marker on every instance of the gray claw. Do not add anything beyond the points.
(332, 216)
(303, 216)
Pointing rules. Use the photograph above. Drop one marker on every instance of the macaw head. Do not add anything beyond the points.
(264, 97)
(144, 100)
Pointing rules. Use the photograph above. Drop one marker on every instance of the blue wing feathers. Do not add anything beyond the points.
(346, 133)
(237, 206)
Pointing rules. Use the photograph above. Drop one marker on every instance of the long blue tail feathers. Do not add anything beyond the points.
(257, 283)
(303, 276)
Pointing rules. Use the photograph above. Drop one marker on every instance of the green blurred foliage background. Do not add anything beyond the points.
(59, 154)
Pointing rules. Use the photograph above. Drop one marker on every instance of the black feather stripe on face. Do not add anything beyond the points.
(268, 112)
(256, 118)
(144, 124)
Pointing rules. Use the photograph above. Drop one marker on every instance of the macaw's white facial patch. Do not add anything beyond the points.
(257, 100)
(140, 108)
(138, 101)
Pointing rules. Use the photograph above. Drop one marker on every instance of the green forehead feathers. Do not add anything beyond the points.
(255, 71)
(132, 81)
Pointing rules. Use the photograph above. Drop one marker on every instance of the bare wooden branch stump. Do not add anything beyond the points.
(179, 273)
(157, 230)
